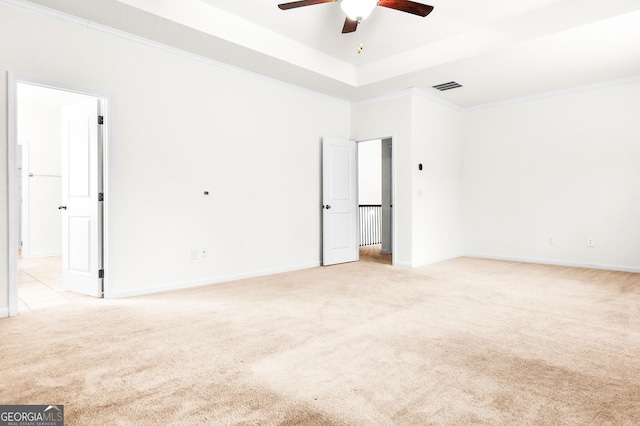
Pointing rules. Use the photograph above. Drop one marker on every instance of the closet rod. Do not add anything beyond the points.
(37, 175)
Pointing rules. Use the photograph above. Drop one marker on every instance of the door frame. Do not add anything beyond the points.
(394, 216)
(13, 79)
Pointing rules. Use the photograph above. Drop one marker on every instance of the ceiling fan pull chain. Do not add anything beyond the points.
(361, 36)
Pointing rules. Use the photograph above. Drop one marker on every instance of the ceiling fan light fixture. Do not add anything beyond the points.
(358, 9)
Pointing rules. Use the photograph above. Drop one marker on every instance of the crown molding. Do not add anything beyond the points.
(555, 93)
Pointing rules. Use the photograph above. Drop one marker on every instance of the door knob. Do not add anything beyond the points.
(327, 207)
(62, 207)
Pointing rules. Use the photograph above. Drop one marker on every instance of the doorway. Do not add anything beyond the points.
(39, 164)
(375, 194)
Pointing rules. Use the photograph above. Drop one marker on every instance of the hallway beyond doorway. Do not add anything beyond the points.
(40, 284)
(373, 254)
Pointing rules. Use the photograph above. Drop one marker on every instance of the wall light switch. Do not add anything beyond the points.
(591, 242)
(194, 254)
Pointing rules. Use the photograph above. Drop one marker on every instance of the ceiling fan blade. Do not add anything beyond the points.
(350, 25)
(294, 4)
(407, 6)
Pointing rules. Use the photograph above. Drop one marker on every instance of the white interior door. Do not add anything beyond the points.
(339, 202)
(81, 208)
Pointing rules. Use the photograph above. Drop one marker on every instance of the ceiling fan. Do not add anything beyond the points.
(357, 10)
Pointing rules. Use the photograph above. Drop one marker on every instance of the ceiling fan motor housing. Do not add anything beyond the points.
(358, 9)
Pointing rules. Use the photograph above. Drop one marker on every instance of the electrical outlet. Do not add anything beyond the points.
(204, 252)
(550, 240)
(194, 254)
(591, 242)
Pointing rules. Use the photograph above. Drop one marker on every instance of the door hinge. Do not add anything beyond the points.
(101, 119)
(100, 196)
(101, 273)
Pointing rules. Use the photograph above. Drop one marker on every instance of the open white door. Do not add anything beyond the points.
(339, 202)
(81, 206)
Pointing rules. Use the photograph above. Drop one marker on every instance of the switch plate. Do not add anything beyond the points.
(550, 240)
(194, 254)
(204, 252)
(591, 242)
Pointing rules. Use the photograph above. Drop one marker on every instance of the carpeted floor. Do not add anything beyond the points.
(466, 341)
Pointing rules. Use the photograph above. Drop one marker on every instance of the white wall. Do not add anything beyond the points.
(437, 142)
(566, 167)
(498, 182)
(182, 126)
(370, 172)
(42, 226)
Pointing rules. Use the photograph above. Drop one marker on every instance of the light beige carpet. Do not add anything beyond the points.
(466, 341)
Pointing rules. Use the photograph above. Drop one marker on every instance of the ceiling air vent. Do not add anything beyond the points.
(447, 86)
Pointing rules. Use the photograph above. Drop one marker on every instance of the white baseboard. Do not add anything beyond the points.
(556, 262)
(435, 260)
(208, 281)
(4, 313)
(620, 268)
(425, 263)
